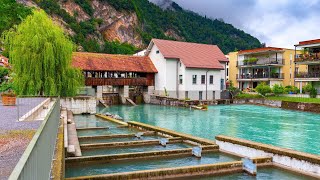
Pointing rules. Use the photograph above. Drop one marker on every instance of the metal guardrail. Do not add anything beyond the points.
(307, 75)
(261, 76)
(269, 61)
(35, 163)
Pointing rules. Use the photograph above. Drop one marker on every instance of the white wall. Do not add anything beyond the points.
(160, 64)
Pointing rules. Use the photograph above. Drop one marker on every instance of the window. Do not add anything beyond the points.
(194, 79)
(200, 95)
(203, 79)
(180, 79)
(211, 79)
(180, 64)
(157, 52)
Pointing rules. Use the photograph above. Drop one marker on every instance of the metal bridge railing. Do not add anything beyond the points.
(35, 163)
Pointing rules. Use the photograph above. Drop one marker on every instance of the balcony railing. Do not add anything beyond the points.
(311, 57)
(307, 75)
(269, 61)
(119, 81)
(261, 76)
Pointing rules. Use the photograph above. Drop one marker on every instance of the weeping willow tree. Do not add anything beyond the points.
(41, 54)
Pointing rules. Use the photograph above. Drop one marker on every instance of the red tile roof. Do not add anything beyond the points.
(111, 62)
(260, 50)
(314, 41)
(4, 61)
(192, 55)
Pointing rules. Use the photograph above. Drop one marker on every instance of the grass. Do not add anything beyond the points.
(295, 99)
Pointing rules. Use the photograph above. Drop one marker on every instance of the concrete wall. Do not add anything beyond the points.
(307, 163)
(79, 105)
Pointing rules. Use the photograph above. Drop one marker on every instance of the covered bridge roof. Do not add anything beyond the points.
(112, 62)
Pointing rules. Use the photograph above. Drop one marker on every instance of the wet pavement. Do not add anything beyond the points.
(14, 135)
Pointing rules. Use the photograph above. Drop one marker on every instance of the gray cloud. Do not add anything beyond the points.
(281, 23)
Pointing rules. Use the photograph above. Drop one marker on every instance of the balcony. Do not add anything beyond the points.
(308, 58)
(261, 76)
(307, 75)
(260, 62)
(140, 81)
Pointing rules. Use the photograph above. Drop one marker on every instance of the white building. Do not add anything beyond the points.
(188, 70)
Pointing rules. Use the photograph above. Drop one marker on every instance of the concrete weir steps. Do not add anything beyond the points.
(130, 143)
(131, 102)
(146, 133)
(142, 155)
(182, 172)
(73, 141)
(102, 102)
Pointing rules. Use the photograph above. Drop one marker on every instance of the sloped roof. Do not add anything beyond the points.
(192, 55)
(111, 62)
(314, 41)
(4, 61)
(260, 50)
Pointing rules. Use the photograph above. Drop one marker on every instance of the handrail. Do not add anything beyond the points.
(35, 162)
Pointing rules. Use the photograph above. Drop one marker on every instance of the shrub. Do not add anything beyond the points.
(291, 89)
(307, 88)
(263, 88)
(233, 90)
(313, 92)
(278, 89)
(3, 72)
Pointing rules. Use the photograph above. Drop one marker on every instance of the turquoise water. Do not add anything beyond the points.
(284, 128)
(122, 139)
(78, 169)
(110, 131)
(132, 149)
(263, 174)
(87, 121)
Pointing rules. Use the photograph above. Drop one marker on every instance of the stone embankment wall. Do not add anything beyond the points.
(167, 101)
(309, 107)
(266, 102)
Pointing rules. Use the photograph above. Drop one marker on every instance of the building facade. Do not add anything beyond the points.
(307, 64)
(269, 64)
(188, 70)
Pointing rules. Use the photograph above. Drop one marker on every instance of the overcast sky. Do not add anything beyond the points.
(280, 23)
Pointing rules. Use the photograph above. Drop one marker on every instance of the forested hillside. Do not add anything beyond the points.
(125, 26)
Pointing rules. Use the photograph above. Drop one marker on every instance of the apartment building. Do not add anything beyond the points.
(272, 65)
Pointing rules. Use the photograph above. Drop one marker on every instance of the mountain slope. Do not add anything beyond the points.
(124, 26)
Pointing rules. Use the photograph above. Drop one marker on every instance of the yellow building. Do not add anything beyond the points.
(247, 68)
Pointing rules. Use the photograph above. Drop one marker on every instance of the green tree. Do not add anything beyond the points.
(307, 88)
(41, 55)
(3, 72)
(278, 89)
(233, 90)
(263, 88)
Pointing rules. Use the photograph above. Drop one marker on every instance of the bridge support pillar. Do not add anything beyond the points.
(99, 92)
(124, 93)
(147, 95)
